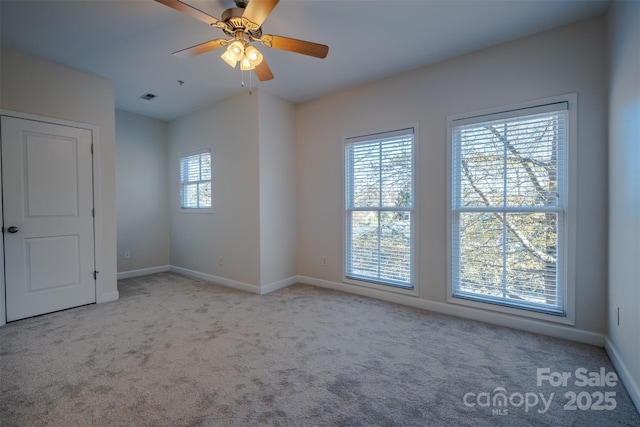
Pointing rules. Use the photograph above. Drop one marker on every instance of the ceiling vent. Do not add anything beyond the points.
(148, 96)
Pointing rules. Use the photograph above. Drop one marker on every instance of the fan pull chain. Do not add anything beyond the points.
(250, 81)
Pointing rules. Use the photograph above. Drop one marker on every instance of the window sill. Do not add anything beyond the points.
(520, 312)
(381, 287)
(197, 211)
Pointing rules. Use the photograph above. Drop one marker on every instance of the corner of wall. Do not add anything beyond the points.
(623, 335)
(277, 176)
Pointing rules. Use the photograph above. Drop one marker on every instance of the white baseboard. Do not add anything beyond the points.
(217, 279)
(630, 383)
(247, 287)
(521, 323)
(143, 272)
(274, 286)
(500, 319)
(108, 297)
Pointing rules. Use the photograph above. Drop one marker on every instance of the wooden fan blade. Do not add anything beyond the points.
(190, 10)
(263, 72)
(258, 10)
(294, 45)
(201, 48)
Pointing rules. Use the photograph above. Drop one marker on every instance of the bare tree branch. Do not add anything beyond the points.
(510, 226)
(526, 162)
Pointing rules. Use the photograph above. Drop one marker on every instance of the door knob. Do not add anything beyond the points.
(12, 229)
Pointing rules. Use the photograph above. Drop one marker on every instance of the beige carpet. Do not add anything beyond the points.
(177, 351)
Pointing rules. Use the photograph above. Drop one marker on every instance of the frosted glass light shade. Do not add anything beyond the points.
(253, 55)
(228, 59)
(236, 50)
(248, 56)
(245, 64)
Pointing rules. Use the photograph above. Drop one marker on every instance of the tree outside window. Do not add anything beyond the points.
(379, 208)
(509, 197)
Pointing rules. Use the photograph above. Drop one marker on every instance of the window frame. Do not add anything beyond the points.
(378, 285)
(566, 277)
(183, 155)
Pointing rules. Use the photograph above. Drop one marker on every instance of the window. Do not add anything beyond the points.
(379, 208)
(195, 180)
(509, 208)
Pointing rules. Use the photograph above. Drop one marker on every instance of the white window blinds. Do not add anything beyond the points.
(379, 208)
(509, 191)
(195, 178)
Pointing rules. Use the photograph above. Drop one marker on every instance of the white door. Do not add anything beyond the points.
(47, 189)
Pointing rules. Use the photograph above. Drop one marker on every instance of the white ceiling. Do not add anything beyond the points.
(130, 42)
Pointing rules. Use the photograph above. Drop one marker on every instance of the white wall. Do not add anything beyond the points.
(252, 227)
(565, 60)
(277, 189)
(35, 86)
(141, 192)
(232, 231)
(624, 193)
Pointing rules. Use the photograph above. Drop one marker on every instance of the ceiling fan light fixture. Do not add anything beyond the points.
(228, 59)
(245, 64)
(236, 50)
(253, 55)
(243, 24)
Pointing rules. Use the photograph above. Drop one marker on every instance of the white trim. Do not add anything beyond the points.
(571, 222)
(394, 133)
(143, 272)
(109, 296)
(274, 286)
(569, 97)
(101, 295)
(381, 286)
(480, 315)
(45, 119)
(216, 279)
(195, 152)
(3, 314)
(569, 245)
(196, 210)
(482, 305)
(183, 155)
(529, 108)
(633, 388)
(247, 287)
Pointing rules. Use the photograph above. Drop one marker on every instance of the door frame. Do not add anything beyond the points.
(97, 197)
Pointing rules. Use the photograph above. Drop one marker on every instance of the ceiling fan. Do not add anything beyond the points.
(243, 25)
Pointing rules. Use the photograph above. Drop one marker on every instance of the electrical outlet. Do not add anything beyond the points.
(324, 261)
(220, 261)
(127, 254)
